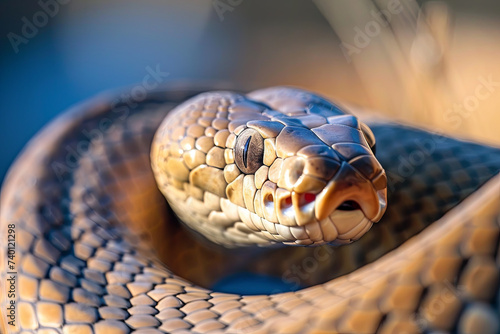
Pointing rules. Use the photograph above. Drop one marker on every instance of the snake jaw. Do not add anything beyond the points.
(344, 208)
(351, 203)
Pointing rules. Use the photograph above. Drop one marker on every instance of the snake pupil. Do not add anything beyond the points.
(245, 152)
(249, 151)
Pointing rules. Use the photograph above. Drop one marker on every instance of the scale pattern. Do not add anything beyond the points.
(76, 196)
(308, 147)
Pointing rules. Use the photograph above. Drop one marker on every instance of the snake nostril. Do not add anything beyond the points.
(293, 168)
(349, 206)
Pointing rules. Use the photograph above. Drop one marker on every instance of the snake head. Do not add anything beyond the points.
(280, 165)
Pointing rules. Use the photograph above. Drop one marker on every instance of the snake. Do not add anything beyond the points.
(121, 216)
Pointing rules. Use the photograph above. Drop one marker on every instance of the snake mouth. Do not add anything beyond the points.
(348, 221)
(296, 222)
(342, 212)
(349, 206)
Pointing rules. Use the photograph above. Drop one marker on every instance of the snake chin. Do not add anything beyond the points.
(345, 226)
(353, 224)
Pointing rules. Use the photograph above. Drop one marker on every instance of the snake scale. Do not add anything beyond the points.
(98, 250)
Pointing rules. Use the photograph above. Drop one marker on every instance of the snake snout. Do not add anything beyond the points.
(349, 191)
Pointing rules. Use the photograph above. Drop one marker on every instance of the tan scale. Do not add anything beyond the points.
(98, 246)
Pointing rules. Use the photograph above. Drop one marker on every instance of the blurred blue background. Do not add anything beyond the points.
(92, 46)
(81, 48)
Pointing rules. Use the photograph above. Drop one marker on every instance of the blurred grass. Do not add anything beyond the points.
(429, 66)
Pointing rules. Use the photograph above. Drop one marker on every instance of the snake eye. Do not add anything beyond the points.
(249, 151)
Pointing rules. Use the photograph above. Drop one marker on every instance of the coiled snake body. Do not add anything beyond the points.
(279, 165)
